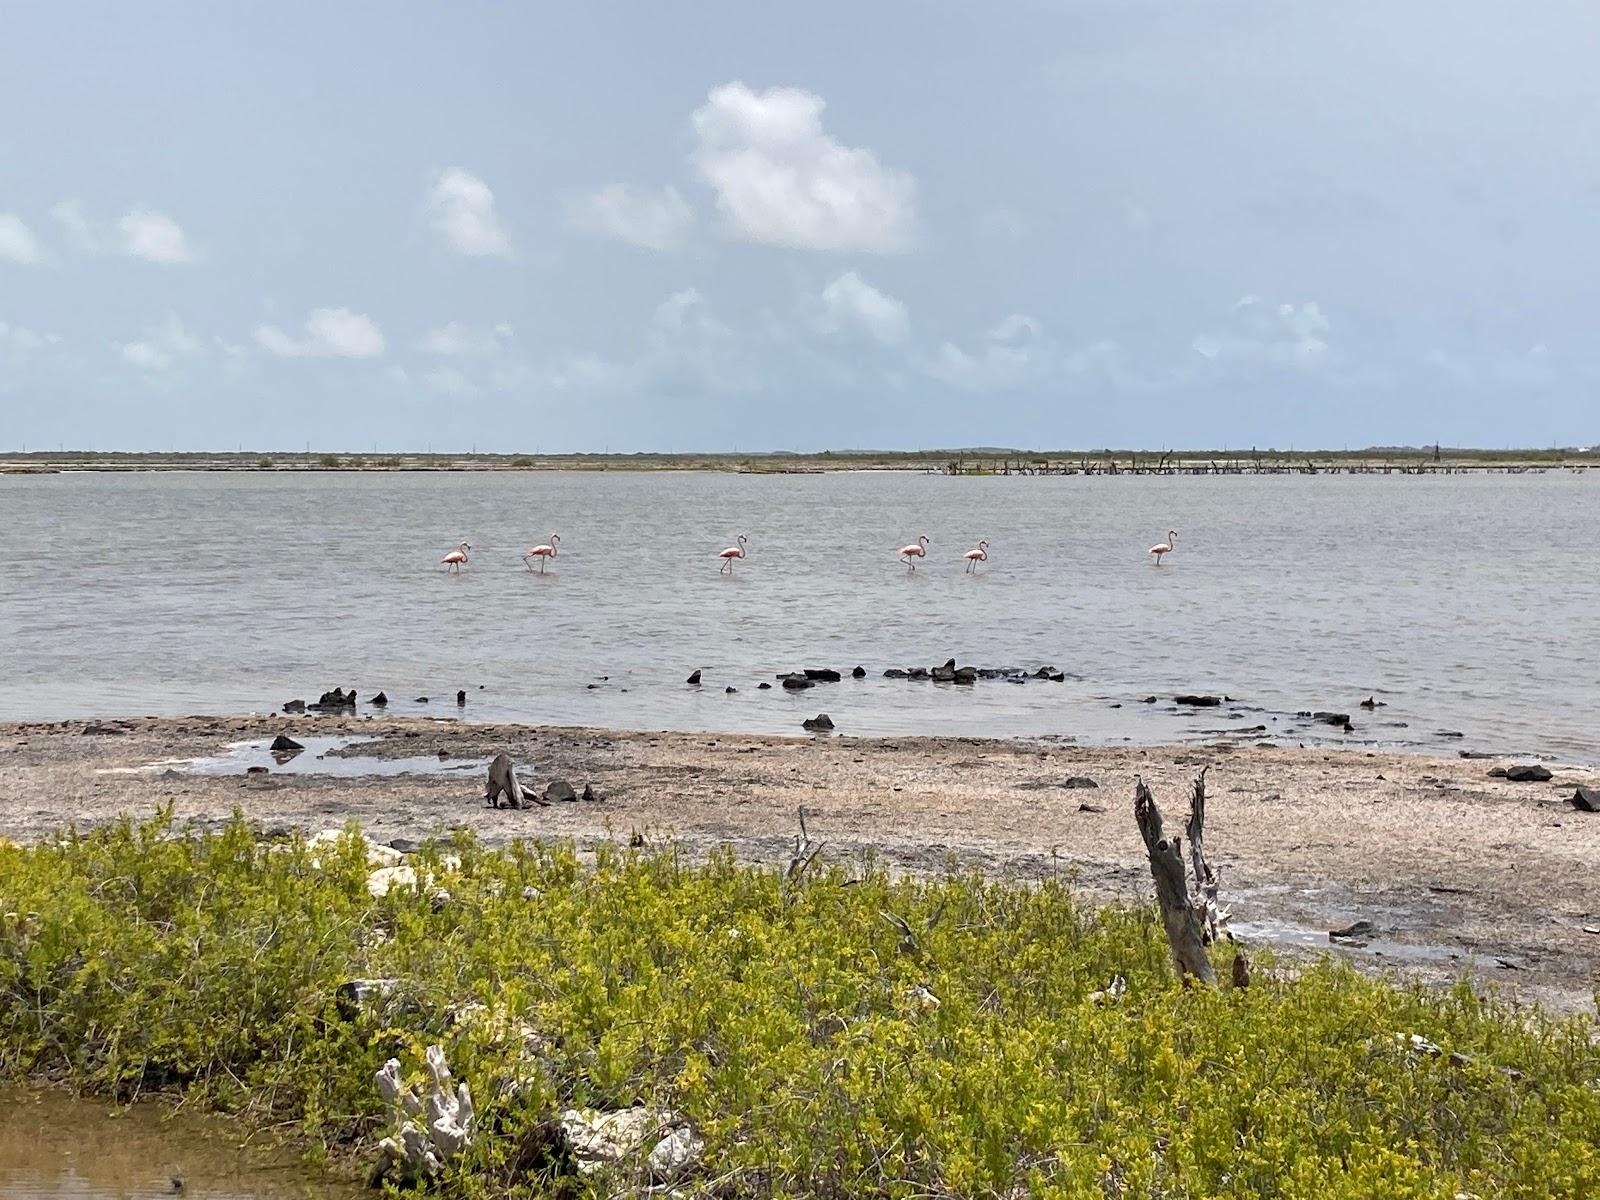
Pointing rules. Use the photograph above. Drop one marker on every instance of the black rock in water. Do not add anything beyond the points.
(946, 673)
(859, 673)
(896, 673)
(966, 675)
(283, 742)
(796, 683)
(1198, 701)
(763, 686)
(422, 699)
(461, 697)
(821, 723)
(1148, 700)
(295, 706)
(822, 675)
(379, 701)
(730, 690)
(694, 679)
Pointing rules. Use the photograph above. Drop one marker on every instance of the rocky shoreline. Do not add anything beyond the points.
(1455, 863)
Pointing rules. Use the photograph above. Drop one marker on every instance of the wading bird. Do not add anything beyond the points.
(1165, 547)
(731, 553)
(542, 553)
(974, 557)
(918, 549)
(456, 557)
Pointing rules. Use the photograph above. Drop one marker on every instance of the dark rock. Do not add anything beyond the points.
(559, 790)
(422, 699)
(1198, 701)
(946, 673)
(917, 673)
(1449, 733)
(355, 995)
(694, 679)
(283, 742)
(1474, 754)
(796, 683)
(103, 731)
(295, 706)
(763, 686)
(593, 794)
(338, 698)
(255, 771)
(1080, 781)
(1051, 675)
(1586, 799)
(461, 697)
(859, 673)
(730, 690)
(1358, 929)
(896, 673)
(591, 687)
(1331, 718)
(379, 701)
(1371, 702)
(1148, 700)
(1090, 808)
(822, 675)
(405, 845)
(966, 675)
(821, 723)
(1528, 773)
(1497, 773)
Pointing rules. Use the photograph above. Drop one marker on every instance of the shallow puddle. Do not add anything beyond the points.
(54, 1147)
(1303, 937)
(321, 756)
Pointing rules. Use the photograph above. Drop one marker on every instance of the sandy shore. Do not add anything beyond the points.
(1456, 868)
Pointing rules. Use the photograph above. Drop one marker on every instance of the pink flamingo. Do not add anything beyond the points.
(974, 557)
(455, 558)
(542, 553)
(918, 549)
(731, 553)
(1165, 547)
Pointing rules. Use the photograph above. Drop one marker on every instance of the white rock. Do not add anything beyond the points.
(675, 1154)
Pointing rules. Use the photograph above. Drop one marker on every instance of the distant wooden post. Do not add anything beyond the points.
(1185, 921)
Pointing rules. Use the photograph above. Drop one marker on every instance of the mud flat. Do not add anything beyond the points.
(1456, 869)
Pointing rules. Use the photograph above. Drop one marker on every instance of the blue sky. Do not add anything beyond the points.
(746, 226)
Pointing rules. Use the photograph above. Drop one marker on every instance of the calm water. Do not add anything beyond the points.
(1468, 604)
(53, 1147)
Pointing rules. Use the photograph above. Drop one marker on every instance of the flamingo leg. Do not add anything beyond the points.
(541, 566)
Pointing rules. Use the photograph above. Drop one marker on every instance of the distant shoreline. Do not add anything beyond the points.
(1420, 461)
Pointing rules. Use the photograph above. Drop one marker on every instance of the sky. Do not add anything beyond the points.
(899, 224)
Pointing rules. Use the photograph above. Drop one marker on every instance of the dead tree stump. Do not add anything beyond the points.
(1182, 916)
(503, 782)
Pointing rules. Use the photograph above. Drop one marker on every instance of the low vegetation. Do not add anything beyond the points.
(839, 1034)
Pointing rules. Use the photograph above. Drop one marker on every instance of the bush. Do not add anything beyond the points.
(822, 1047)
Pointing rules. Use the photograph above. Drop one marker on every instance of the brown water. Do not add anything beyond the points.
(53, 1147)
(1469, 605)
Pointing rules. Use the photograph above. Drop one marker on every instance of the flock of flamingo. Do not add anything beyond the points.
(909, 555)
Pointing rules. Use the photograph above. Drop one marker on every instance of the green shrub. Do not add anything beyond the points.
(784, 1020)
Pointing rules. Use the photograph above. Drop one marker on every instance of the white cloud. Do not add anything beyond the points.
(69, 215)
(1262, 334)
(781, 179)
(17, 243)
(461, 207)
(686, 311)
(653, 220)
(161, 347)
(851, 303)
(1012, 353)
(457, 338)
(329, 333)
(154, 237)
(18, 343)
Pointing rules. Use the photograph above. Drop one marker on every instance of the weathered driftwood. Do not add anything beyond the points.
(1179, 916)
(429, 1130)
(503, 782)
(1212, 918)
